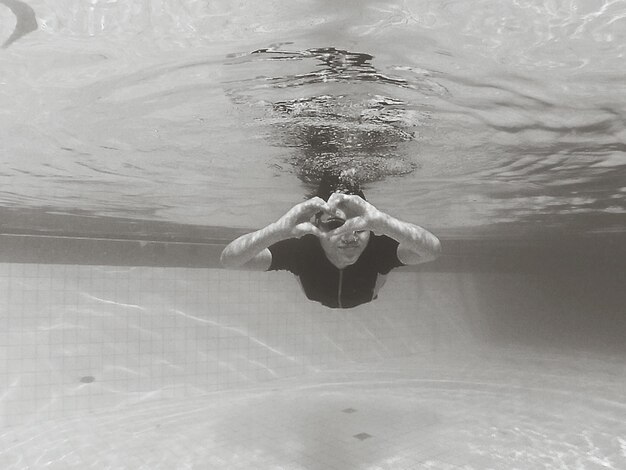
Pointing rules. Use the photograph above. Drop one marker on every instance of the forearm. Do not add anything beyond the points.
(246, 247)
(252, 247)
(412, 238)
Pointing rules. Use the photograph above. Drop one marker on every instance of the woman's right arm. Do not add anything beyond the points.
(251, 251)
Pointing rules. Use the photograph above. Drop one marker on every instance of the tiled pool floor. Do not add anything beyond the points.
(513, 410)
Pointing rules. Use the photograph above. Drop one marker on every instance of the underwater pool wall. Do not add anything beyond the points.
(89, 335)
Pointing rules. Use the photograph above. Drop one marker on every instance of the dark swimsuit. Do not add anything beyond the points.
(323, 282)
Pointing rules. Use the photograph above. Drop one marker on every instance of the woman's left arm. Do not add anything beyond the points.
(416, 244)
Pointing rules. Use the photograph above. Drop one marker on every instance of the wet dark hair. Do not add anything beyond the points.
(343, 182)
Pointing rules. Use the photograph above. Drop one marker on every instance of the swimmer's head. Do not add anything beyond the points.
(345, 249)
(344, 182)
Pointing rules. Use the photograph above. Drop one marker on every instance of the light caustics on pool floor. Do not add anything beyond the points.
(498, 410)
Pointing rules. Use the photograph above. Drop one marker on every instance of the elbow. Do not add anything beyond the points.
(422, 250)
(432, 251)
(436, 248)
(226, 260)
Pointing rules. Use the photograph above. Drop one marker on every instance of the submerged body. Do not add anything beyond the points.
(341, 266)
(334, 287)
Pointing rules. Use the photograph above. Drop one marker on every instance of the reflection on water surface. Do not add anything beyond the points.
(480, 116)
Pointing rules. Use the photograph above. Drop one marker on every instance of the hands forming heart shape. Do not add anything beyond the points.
(358, 215)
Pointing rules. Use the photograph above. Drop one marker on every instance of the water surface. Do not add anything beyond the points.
(487, 116)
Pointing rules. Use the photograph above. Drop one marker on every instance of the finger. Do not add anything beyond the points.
(316, 231)
(307, 228)
(342, 197)
(317, 201)
(337, 204)
(336, 199)
(315, 205)
(323, 206)
(349, 203)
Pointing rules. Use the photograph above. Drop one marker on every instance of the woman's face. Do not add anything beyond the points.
(342, 249)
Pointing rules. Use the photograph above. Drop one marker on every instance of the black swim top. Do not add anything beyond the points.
(323, 282)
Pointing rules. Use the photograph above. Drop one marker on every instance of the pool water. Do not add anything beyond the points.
(124, 125)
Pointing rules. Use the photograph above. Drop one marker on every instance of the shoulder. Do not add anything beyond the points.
(305, 241)
(383, 253)
(288, 254)
(382, 242)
